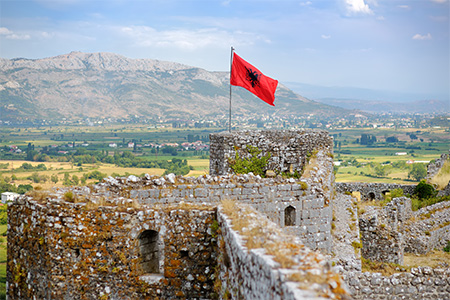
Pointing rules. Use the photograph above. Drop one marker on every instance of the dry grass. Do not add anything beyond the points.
(442, 178)
(38, 195)
(386, 269)
(433, 259)
(309, 167)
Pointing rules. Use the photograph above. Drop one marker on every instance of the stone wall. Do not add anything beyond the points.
(388, 232)
(271, 266)
(83, 243)
(63, 250)
(427, 229)
(303, 199)
(433, 168)
(373, 191)
(420, 283)
(289, 149)
(379, 241)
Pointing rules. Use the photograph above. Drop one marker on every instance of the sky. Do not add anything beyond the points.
(392, 45)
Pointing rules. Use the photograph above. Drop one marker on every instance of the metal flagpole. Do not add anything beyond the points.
(231, 65)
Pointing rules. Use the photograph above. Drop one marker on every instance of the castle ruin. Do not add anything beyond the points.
(176, 237)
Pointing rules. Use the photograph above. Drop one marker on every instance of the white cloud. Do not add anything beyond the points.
(5, 31)
(381, 18)
(355, 7)
(439, 1)
(325, 37)
(422, 37)
(307, 3)
(11, 35)
(189, 39)
(404, 6)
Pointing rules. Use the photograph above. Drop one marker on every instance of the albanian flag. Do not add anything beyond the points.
(247, 76)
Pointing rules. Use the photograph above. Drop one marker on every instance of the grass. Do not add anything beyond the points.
(443, 177)
(433, 259)
(3, 244)
(386, 269)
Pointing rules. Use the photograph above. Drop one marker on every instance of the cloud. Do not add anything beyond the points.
(422, 37)
(355, 7)
(325, 37)
(12, 35)
(404, 6)
(185, 39)
(439, 1)
(307, 3)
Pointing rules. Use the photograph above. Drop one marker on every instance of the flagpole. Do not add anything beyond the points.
(231, 65)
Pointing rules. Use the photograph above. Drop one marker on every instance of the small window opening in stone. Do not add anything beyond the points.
(149, 252)
(289, 216)
(77, 252)
(184, 253)
(371, 196)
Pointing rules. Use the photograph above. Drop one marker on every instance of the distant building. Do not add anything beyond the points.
(9, 196)
(401, 153)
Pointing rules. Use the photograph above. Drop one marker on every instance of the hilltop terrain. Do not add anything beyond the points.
(92, 85)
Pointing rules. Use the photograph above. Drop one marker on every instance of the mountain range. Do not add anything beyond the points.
(374, 101)
(106, 85)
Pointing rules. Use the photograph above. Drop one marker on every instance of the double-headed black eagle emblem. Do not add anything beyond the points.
(253, 77)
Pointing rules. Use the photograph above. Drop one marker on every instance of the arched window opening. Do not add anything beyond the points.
(149, 251)
(289, 216)
(371, 196)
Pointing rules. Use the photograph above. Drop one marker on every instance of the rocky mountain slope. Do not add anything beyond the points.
(103, 85)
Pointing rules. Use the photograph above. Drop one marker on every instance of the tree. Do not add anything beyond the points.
(54, 178)
(424, 190)
(418, 172)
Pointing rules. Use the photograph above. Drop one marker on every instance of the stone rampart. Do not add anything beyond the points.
(388, 232)
(373, 191)
(63, 250)
(95, 243)
(254, 272)
(428, 229)
(295, 205)
(434, 167)
(379, 241)
(420, 283)
(289, 149)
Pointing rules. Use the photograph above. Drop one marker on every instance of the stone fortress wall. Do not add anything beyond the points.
(373, 190)
(157, 237)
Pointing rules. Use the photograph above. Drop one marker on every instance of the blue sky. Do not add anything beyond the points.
(392, 45)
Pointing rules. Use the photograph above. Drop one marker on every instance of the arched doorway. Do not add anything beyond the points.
(289, 216)
(149, 251)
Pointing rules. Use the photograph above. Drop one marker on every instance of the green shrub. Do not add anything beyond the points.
(395, 193)
(447, 248)
(424, 190)
(256, 163)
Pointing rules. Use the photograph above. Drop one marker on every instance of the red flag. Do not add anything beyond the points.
(247, 76)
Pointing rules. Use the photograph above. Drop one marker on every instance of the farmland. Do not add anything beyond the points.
(85, 153)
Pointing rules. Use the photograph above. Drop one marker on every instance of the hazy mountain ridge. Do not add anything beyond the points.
(419, 106)
(80, 85)
(374, 101)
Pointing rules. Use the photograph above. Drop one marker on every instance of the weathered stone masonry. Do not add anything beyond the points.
(289, 149)
(62, 250)
(272, 197)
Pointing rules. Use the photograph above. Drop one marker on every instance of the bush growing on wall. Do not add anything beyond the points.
(256, 163)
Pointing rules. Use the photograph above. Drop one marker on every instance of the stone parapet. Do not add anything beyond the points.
(420, 283)
(289, 149)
